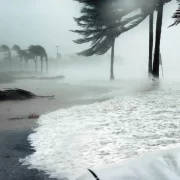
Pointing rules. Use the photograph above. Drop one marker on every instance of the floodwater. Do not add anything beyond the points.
(140, 117)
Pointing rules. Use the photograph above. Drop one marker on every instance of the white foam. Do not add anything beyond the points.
(162, 165)
(69, 141)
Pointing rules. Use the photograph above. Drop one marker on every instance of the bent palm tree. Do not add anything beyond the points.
(33, 57)
(4, 48)
(22, 53)
(156, 5)
(176, 15)
(112, 62)
(158, 40)
(39, 51)
(151, 19)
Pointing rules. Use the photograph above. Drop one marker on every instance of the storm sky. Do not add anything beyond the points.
(47, 22)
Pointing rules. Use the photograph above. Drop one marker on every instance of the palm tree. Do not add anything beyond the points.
(176, 15)
(20, 52)
(156, 63)
(101, 29)
(112, 61)
(151, 20)
(158, 40)
(4, 48)
(25, 55)
(39, 51)
(33, 57)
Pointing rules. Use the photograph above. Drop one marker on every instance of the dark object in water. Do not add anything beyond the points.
(31, 116)
(96, 177)
(18, 94)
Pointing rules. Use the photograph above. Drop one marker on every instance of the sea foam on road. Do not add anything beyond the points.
(69, 141)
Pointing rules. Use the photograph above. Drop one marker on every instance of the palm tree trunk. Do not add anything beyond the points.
(158, 41)
(10, 60)
(41, 64)
(46, 64)
(35, 61)
(151, 19)
(26, 64)
(21, 62)
(112, 62)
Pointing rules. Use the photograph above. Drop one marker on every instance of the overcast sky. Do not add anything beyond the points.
(47, 22)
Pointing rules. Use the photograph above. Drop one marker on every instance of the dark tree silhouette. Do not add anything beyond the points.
(24, 55)
(102, 22)
(21, 53)
(156, 62)
(151, 36)
(39, 51)
(32, 57)
(150, 7)
(176, 15)
(4, 48)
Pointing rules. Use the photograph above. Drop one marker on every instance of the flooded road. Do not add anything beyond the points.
(68, 141)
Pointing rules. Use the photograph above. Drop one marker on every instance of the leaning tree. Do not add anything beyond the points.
(95, 31)
(176, 15)
(4, 48)
(39, 51)
(102, 21)
(150, 7)
(22, 55)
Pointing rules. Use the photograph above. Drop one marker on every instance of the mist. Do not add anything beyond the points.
(48, 23)
(81, 119)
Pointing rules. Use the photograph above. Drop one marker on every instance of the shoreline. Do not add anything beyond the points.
(14, 133)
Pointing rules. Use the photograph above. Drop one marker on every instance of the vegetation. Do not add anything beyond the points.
(21, 53)
(4, 48)
(39, 51)
(32, 53)
(176, 15)
(101, 29)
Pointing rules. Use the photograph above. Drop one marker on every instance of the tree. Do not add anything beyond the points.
(4, 48)
(33, 57)
(101, 29)
(21, 53)
(39, 51)
(156, 62)
(151, 36)
(176, 15)
(150, 8)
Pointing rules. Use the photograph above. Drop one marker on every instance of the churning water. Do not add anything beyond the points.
(110, 136)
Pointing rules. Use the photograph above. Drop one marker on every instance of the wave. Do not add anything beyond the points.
(161, 165)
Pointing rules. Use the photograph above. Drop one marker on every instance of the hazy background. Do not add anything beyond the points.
(47, 22)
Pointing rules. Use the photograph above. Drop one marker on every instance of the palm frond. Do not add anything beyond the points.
(37, 50)
(176, 15)
(4, 48)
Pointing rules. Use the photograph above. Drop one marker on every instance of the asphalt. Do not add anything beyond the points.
(13, 146)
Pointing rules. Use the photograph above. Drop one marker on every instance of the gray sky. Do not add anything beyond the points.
(47, 22)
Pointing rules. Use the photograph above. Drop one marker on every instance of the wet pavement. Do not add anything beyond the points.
(13, 146)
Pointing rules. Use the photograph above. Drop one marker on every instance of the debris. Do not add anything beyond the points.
(18, 94)
(33, 116)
